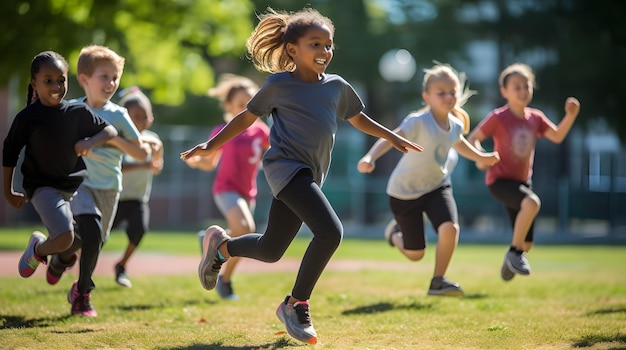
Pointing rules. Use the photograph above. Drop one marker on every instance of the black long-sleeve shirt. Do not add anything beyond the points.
(49, 135)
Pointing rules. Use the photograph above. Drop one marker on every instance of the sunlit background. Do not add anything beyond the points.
(176, 49)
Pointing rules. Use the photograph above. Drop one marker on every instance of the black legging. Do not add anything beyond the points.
(300, 201)
(89, 239)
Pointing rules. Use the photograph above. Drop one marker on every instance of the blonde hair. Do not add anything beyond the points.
(517, 68)
(267, 44)
(91, 56)
(463, 93)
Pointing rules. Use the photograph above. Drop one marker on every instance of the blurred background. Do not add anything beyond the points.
(176, 49)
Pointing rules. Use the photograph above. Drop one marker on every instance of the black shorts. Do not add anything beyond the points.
(511, 193)
(438, 205)
(137, 216)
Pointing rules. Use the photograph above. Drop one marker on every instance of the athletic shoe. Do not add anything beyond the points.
(121, 277)
(56, 268)
(441, 286)
(81, 302)
(30, 260)
(225, 289)
(297, 320)
(392, 229)
(505, 272)
(517, 262)
(211, 264)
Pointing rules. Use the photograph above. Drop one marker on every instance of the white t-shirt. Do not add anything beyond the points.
(418, 173)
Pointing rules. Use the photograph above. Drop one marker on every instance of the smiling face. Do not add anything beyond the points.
(50, 83)
(102, 84)
(312, 53)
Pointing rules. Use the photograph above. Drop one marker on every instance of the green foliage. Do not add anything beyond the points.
(167, 44)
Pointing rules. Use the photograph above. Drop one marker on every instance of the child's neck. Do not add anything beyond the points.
(517, 110)
(441, 119)
(94, 104)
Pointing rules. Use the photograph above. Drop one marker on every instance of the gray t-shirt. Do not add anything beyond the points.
(304, 119)
(418, 173)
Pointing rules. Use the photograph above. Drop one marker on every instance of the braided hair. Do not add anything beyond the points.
(39, 60)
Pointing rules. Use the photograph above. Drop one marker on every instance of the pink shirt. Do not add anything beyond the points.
(240, 160)
(514, 138)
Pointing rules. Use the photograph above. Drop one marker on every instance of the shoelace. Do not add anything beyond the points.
(302, 311)
(217, 264)
(83, 302)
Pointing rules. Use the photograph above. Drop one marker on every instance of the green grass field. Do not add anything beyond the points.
(575, 298)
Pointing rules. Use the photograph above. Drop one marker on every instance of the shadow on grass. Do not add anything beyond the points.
(278, 344)
(616, 342)
(384, 307)
(161, 305)
(611, 310)
(10, 321)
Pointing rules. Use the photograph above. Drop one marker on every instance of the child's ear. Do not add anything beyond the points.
(503, 91)
(82, 79)
(291, 49)
(426, 98)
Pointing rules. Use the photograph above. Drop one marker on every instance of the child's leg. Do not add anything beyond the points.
(89, 228)
(529, 209)
(448, 236)
(53, 207)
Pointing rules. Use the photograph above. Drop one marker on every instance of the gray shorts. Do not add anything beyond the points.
(225, 201)
(96, 202)
(53, 207)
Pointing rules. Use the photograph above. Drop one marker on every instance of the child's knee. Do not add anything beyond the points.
(414, 255)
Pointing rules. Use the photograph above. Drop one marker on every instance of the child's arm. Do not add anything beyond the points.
(135, 148)
(364, 123)
(83, 147)
(482, 159)
(557, 134)
(16, 199)
(367, 164)
(206, 163)
(156, 163)
(236, 126)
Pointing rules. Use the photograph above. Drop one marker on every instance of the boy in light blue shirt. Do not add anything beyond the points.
(95, 204)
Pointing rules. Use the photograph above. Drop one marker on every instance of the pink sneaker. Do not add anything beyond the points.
(81, 302)
(56, 268)
(30, 260)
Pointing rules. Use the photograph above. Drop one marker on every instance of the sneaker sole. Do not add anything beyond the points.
(28, 271)
(447, 293)
(208, 278)
(517, 271)
(506, 273)
(279, 313)
(388, 230)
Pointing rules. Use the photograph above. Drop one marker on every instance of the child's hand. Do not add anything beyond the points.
(199, 150)
(16, 199)
(572, 106)
(366, 165)
(403, 145)
(82, 148)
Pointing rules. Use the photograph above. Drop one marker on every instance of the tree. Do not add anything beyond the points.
(168, 45)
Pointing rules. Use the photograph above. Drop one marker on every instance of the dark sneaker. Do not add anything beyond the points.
(211, 264)
(56, 268)
(441, 286)
(505, 272)
(30, 260)
(297, 320)
(392, 229)
(225, 289)
(517, 262)
(121, 277)
(81, 302)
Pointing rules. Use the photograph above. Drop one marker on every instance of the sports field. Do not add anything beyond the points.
(370, 297)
